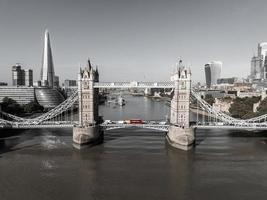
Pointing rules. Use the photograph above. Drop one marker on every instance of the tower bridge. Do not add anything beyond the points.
(89, 129)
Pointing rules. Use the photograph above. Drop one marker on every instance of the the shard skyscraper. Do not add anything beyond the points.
(47, 70)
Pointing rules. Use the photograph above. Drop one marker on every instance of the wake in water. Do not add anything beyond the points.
(51, 142)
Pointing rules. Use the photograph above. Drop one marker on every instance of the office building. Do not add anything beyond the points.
(3, 84)
(28, 77)
(22, 95)
(258, 70)
(213, 72)
(48, 78)
(227, 80)
(56, 82)
(48, 97)
(18, 75)
(21, 77)
(70, 83)
(69, 87)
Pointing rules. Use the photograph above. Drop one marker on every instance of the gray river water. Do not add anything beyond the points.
(133, 163)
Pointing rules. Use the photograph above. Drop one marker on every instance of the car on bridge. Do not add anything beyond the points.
(108, 122)
(162, 123)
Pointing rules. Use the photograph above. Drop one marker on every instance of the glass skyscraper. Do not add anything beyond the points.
(258, 68)
(213, 72)
(48, 78)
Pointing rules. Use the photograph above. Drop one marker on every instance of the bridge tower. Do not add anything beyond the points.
(88, 131)
(180, 134)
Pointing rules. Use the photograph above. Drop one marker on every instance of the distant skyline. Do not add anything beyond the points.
(131, 39)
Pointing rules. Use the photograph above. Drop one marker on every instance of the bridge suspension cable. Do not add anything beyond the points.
(217, 114)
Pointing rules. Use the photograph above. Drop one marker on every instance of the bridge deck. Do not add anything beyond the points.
(158, 127)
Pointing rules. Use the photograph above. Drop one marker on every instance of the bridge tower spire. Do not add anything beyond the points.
(88, 130)
(180, 134)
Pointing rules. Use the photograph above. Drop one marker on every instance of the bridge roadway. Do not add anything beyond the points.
(58, 124)
(158, 127)
(153, 126)
(70, 124)
(67, 124)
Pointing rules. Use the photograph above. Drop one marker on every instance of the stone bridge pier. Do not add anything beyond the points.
(180, 134)
(88, 131)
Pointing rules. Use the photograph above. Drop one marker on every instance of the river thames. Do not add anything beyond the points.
(133, 163)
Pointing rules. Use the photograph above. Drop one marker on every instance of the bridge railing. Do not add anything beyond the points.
(147, 126)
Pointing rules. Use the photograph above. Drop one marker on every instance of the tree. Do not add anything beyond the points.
(242, 108)
(9, 105)
(33, 107)
(262, 109)
(209, 99)
(7, 101)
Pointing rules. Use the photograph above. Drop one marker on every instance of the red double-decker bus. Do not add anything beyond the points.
(136, 121)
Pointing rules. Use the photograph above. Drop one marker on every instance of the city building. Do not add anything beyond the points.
(214, 93)
(48, 97)
(213, 72)
(227, 80)
(56, 82)
(70, 83)
(69, 87)
(22, 95)
(222, 105)
(243, 87)
(21, 77)
(37, 84)
(243, 94)
(3, 84)
(18, 75)
(28, 77)
(48, 78)
(258, 70)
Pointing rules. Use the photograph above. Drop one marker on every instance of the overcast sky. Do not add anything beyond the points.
(132, 39)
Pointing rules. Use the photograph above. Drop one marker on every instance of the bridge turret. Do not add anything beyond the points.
(180, 134)
(88, 97)
(89, 65)
(96, 74)
(88, 129)
(181, 99)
